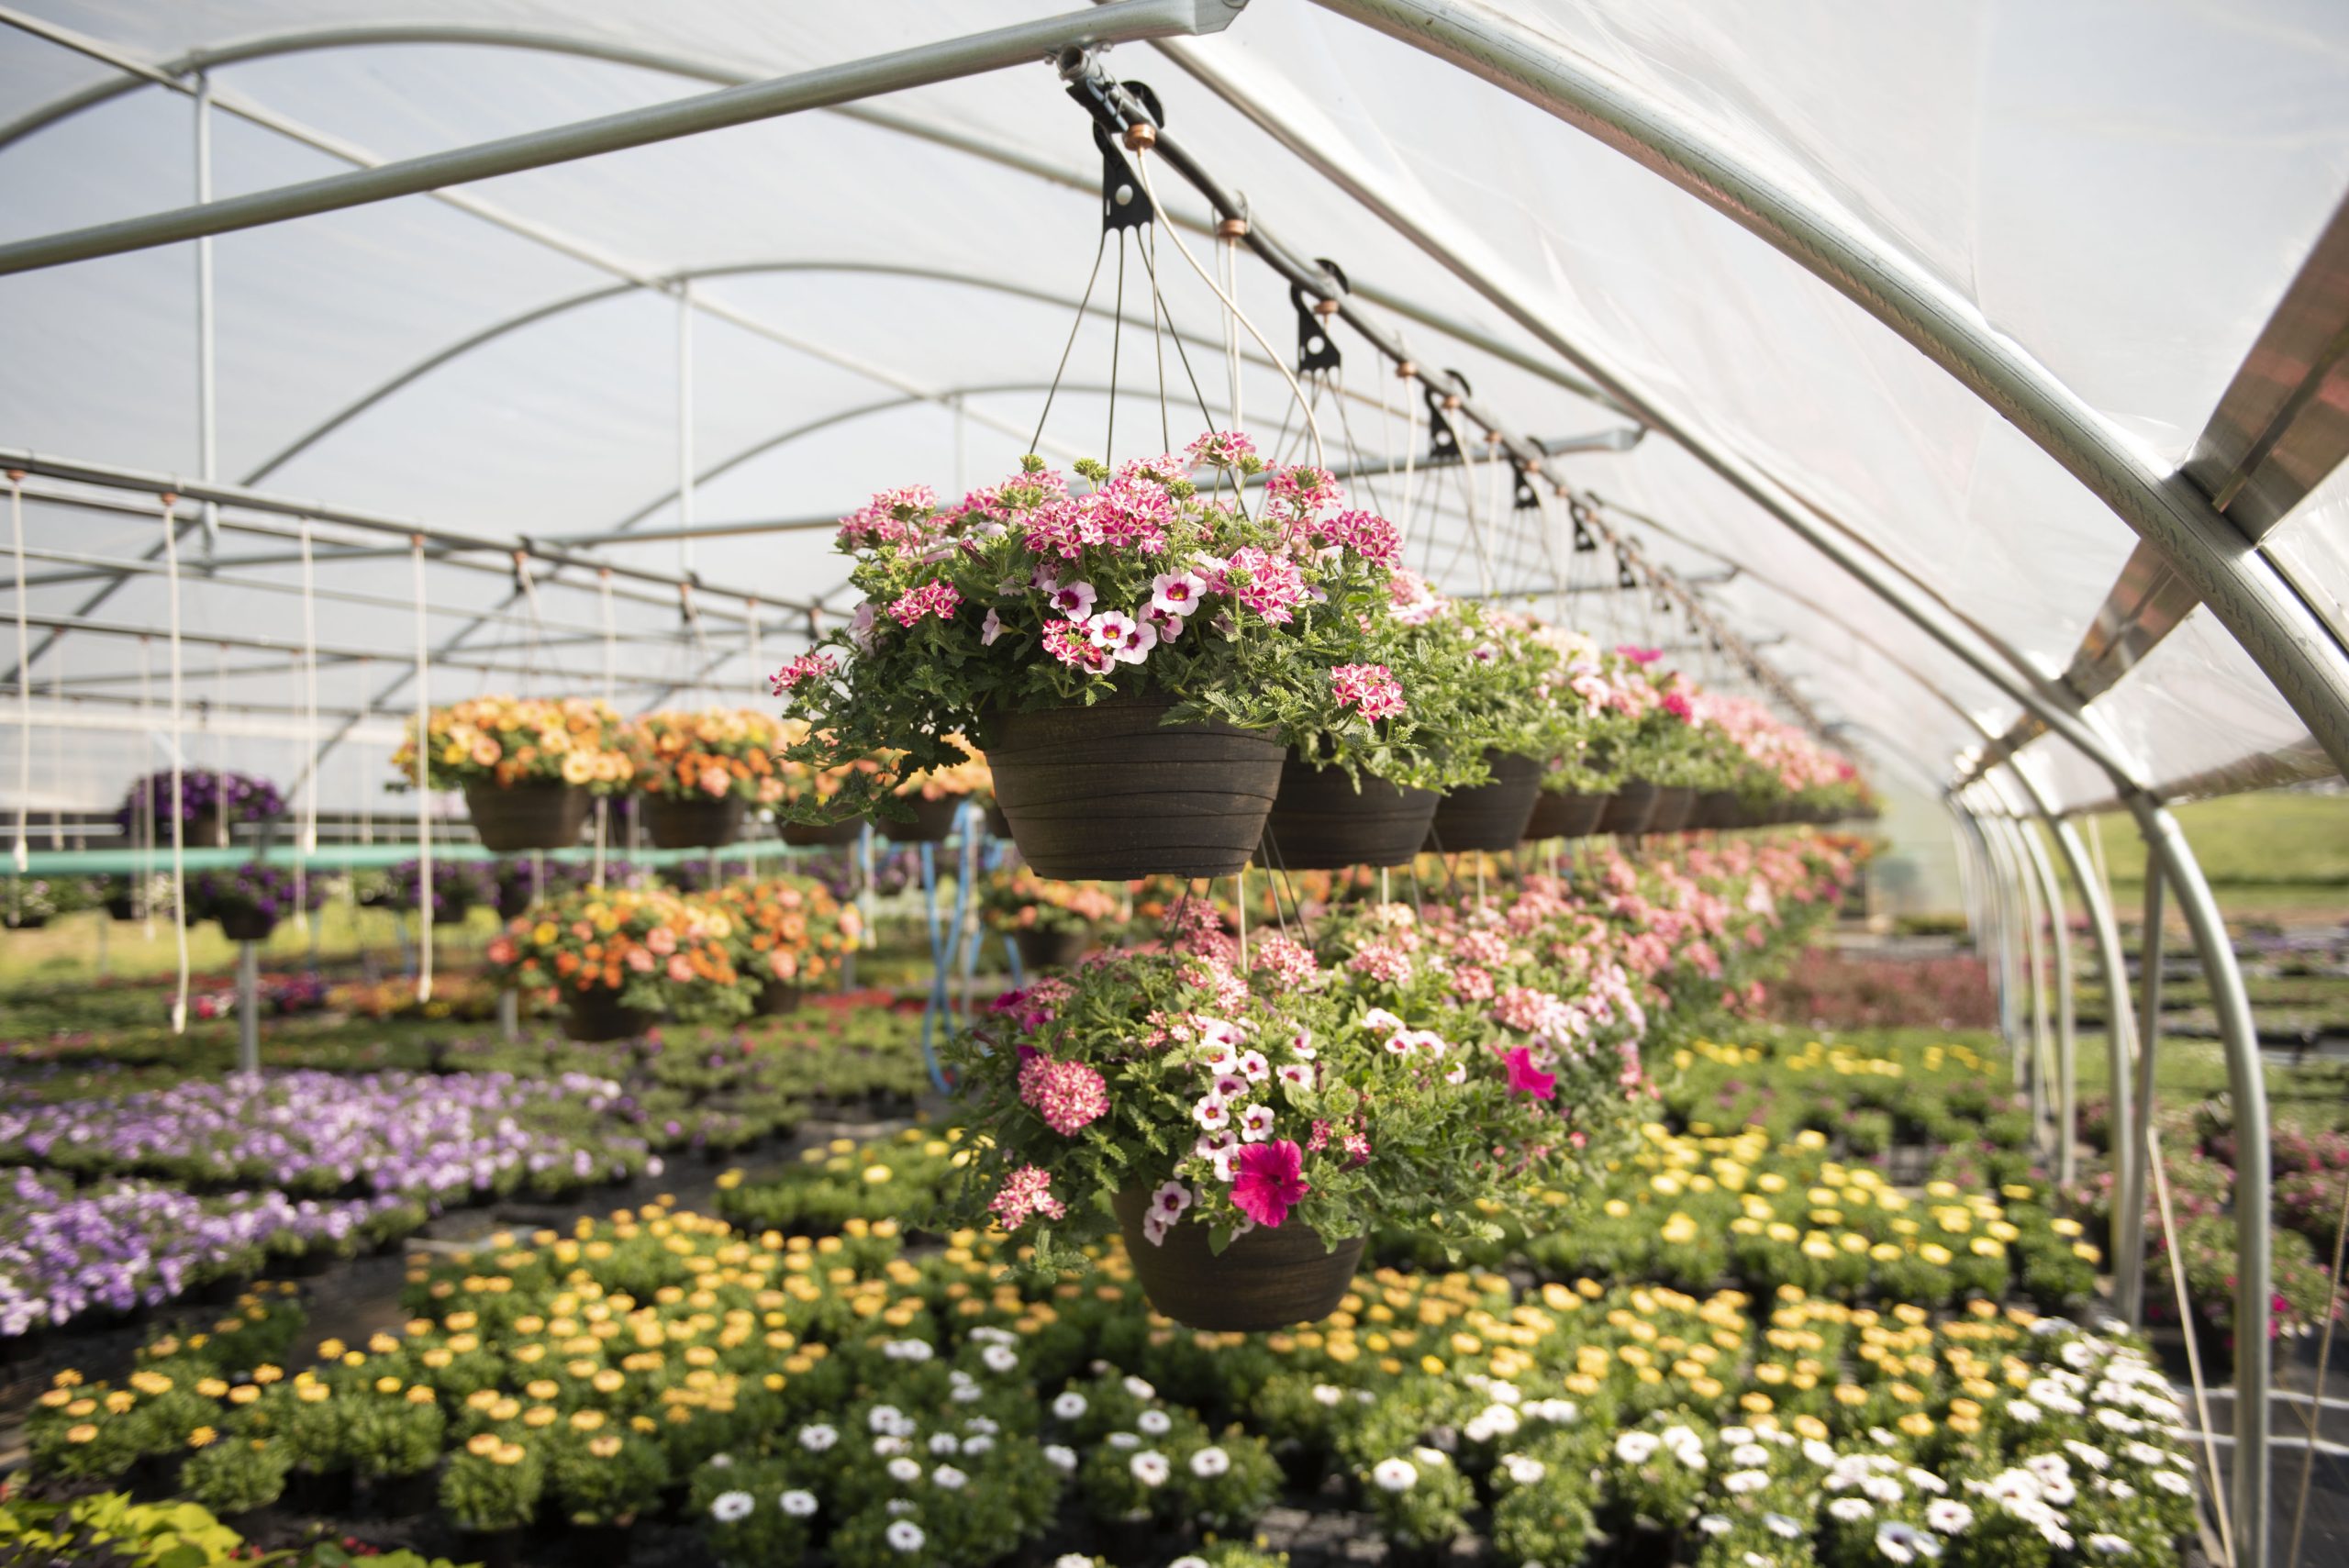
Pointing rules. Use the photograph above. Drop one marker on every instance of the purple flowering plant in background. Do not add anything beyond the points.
(206, 796)
(253, 888)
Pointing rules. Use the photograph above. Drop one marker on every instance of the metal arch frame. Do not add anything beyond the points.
(2296, 650)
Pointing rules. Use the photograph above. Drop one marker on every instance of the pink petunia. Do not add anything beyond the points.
(1524, 1078)
(1271, 1182)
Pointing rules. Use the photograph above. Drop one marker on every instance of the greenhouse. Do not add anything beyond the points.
(1174, 784)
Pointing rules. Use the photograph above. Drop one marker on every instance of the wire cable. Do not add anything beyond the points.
(22, 853)
(179, 789)
(423, 774)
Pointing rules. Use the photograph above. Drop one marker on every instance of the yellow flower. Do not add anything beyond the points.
(604, 1447)
(84, 1433)
(203, 1437)
(482, 1444)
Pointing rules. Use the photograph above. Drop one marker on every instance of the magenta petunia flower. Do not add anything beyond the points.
(1271, 1182)
(1524, 1078)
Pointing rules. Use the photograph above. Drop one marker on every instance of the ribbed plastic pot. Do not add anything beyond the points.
(1489, 816)
(1267, 1279)
(830, 835)
(246, 925)
(692, 822)
(1630, 808)
(1563, 814)
(933, 819)
(122, 909)
(1715, 808)
(997, 823)
(1675, 805)
(597, 1016)
(1321, 822)
(527, 817)
(207, 832)
(1049, 950)
(776, 997)
(1108, 794)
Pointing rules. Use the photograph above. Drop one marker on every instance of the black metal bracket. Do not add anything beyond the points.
(1585, 542)
(1524, 499)
(1123, 206)
(1316, 349)
(1444, 441)
(1624, 578)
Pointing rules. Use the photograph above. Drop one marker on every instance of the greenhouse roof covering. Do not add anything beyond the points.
(2030, 311)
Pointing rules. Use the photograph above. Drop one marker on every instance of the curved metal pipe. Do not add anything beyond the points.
(2289, 643)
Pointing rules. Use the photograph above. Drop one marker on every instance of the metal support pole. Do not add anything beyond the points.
(2149, 941)
(2059, 938)
(2167, 845)
(207, 441)
(248, 1007)
(2120, 1046)
(685, 426)
(2034, 946)
(509, 1015)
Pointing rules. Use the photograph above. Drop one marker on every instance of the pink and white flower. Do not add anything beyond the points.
(1170, 1200)
(1109, 629)
(1074, 600)
(1177, 593)
(1256, 1123)
(1295, 1074)
(1253, 1067)
(990, 629)
(1380, 1021)
(1213, 1113)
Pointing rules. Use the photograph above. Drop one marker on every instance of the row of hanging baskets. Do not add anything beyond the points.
(531, 771)
(1166, 678)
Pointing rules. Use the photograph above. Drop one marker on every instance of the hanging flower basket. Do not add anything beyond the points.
(1630, 808)
(1267, 1279)
(595, 1016)
(687, 822)
(123, 907)
(1564, 814)
(1321, 822)
(933, 819)
(246, 925)
(1041, 948)
(997, 823)
(1489, 815)
(830, 835)
(1717, 809)
(1108, 794)
(1674, 805)
(775, 997)
(527, 816)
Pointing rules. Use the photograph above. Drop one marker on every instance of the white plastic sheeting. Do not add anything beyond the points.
(2047, 160)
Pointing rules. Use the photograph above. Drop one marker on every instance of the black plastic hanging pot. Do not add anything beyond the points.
(692, 822)
(1630, 808)
(1564, 814)
(1674, 805)
(1108, 794)
(1491, 816)
(1321, 822)
(528, 816)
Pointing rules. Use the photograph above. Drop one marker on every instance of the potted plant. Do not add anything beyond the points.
(620, 958)
(209, 804)
(604, 1478)
(1244, 1134)
(935, 795)
(29, 903)
(1128, 657)
(521, 882)
(1050, 922)
(458, 887)
(1580, 778)
(249, 900)
(394, 1439)
(699, 772)
(1503, 721)
(528, 767)
(790, 934)
(490, 1489)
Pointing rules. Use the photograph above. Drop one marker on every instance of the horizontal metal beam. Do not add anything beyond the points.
(113, 476)
(920, 66)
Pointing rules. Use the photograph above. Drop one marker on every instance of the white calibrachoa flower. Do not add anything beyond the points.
(1150, 1469)
(1783, 1526)
(946, 1475)
(1851, 1510)
(1209, 1462)
(1743, 1481)
(1154, 1423)
(1524, 1469)
(1069, 1405)
(1000, 1357)
(1637, 1448)
(816, 1439)
(1394, 1476)
(904, 1535)
(1141, 1390)
(944, 1442)
(799, 1505)
(733, 1507)
(1061, 1457)
(1072, 1560)
(1328, 1394)
(904, 1470)
(1188, 1562)
(2111, 1546)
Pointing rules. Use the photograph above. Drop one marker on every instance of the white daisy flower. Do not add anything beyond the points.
(904, 1535)
(731, 1507)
